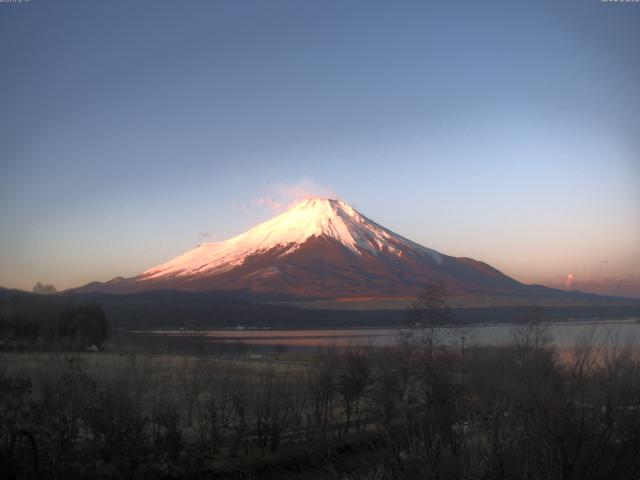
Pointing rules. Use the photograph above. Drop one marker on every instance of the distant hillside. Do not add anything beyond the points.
(169, 309)
(173, 309)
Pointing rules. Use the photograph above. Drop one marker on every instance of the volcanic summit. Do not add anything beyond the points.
(320, 248)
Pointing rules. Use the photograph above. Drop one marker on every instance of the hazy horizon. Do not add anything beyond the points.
(130, 132)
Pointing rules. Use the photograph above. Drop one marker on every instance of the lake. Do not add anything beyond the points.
(563, 334)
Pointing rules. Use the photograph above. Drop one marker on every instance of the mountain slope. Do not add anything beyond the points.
(286, 233)
(319, 249)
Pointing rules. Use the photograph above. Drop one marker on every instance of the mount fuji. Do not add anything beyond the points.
(320, 248)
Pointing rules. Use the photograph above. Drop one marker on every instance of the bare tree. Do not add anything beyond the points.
(191, 380)
(353, 378)
(428, 318)
(216, 409)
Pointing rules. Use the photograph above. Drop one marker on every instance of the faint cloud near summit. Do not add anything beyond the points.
(284, 196)
(205, 237)
(268, 202)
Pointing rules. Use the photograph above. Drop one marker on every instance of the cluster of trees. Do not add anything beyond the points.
(44, 288)
(49, 321)
(523, 411)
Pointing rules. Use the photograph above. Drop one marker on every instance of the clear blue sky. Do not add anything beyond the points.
(506, 131)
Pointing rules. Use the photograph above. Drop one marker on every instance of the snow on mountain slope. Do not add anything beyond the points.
(312, 218)
(318, 249)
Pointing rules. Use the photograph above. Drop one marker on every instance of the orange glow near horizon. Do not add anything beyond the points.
(569, 280)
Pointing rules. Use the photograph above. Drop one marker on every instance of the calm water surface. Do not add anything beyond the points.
(563, 334)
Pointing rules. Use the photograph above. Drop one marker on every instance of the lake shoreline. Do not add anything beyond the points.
(191, 332)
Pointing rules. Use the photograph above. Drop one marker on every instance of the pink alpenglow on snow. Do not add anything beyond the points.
(321, 248)
(312, 218)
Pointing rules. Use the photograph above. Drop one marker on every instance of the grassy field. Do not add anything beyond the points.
(414, 411)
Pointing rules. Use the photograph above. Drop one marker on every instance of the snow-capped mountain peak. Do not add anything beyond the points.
(313, 218)
(320, 248)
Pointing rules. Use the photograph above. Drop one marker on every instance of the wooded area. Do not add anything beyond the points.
(419, 410)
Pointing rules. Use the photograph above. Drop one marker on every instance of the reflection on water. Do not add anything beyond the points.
(618, 332)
